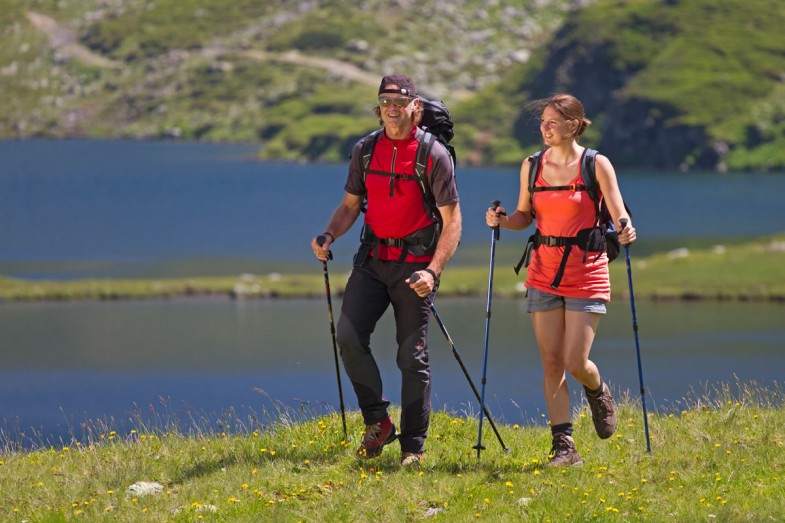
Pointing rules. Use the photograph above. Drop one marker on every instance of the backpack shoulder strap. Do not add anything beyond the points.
(534, 168)
(589, 173)
(421, 162)
(589, 177)
(368, 146)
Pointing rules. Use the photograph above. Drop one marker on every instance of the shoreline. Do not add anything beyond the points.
(230, 295)
(749, 272)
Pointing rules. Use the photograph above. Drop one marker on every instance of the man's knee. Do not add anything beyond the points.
(349, 340)
(415, 360)
(344, 333)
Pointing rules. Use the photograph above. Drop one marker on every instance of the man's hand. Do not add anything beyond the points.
(422, 282)
(321, 247)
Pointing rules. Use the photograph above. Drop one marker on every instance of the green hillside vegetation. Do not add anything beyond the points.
(673, 84)
(668, 84)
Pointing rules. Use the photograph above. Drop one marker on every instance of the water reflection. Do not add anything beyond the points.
(68, 362)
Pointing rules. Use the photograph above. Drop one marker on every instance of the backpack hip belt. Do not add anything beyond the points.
(421, 242)
(590, 240)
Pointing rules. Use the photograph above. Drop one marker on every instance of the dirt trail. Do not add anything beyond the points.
(65, 41)
(343, 69)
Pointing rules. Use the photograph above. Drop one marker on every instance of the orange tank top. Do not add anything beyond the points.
(564, 213)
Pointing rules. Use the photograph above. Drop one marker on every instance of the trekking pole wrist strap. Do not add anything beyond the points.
(435, 278)
(332, 238)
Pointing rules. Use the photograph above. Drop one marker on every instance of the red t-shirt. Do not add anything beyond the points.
(564, 213)
(395, 206)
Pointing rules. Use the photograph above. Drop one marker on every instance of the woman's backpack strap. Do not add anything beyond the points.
(534, 168)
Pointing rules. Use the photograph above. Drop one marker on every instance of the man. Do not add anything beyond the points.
(400, 236)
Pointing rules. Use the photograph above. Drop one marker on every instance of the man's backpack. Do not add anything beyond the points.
(602, 237)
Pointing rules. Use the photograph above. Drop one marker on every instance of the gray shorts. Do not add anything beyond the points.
(540, 301)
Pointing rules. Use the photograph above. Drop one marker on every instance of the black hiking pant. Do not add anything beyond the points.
(369, 291)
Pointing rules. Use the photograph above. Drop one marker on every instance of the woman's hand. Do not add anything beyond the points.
(627, 233)
(493, 217)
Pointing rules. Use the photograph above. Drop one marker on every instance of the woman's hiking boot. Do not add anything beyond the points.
(563, 452)
(602, 411)
(376, 437)
(411, 459)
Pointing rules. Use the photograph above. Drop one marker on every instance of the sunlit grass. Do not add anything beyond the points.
(717, 456)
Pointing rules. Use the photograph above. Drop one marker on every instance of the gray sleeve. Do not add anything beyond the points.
(442, 176)
(354, 181)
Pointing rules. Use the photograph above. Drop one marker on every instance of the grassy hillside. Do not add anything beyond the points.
(298, 76)
(673, 84)
(668, 84)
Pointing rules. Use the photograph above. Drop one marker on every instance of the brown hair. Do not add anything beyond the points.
(569, 107)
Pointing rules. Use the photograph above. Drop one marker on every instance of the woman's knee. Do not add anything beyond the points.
(578, 369)
(552, 364)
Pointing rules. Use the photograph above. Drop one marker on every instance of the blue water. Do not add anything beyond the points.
(68, 367)
(87, 208)
(76, 209)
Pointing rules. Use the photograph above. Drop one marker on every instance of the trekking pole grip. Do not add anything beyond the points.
(495, 205)
(320, 241)
(623, 223)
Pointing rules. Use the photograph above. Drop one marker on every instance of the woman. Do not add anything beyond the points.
(566, 300)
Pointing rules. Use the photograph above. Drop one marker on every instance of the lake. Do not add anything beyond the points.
(65, 364)
(76, 209)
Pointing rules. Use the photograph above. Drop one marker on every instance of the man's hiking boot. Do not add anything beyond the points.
(563, 452)
(602, 411)
(376, 437)
(411, 459)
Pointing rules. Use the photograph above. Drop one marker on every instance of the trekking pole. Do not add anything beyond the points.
(623, 222)
(320, 240)
(494, 238)
(413, 278)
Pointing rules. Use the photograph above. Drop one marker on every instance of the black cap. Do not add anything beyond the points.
(405, 84)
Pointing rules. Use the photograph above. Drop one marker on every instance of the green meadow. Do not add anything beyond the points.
(717, 457)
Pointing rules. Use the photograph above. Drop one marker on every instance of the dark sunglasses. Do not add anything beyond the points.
(403, 101)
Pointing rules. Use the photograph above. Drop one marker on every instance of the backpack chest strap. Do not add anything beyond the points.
(572, 187)
(393, 175)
